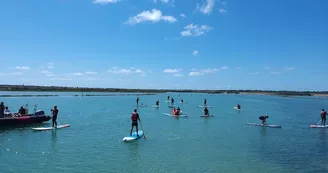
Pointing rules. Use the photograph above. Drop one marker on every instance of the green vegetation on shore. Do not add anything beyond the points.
(81, 89)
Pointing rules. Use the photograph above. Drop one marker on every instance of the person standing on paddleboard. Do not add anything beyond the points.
(168, 97)
(134, 118)
(238, 106)
(172, 101)
(157, 103)
(205, 102)
(54, 116)
(206, 112)
(138, 100)
(323, 117)
(263, 119)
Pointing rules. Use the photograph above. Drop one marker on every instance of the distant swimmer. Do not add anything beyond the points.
(238, 106)
(138, 100)
(157, 103)
(323, 117)
(172, 101)
(206, 112)
(263, 119)
(205, 102)
(54, 116)
(134, 118)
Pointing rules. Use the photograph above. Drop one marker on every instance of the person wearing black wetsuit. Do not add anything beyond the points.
(138, 100)
(263, 119)
(2, 109)
(323, 117)
(238, 106)
(157, 103)
(181, 100)
(21, 111)
(172, 101)
(54, 116)
(134, 117)
(206, 112)
(205, 102)
(168, 97)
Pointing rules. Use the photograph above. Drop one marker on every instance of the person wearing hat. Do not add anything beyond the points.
(54, 116)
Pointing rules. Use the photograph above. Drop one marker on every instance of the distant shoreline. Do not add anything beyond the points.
(30, 88)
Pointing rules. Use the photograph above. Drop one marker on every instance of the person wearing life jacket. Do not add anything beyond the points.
(323, 117)
(263, 119)
(134, 118)
(178, 111)
(174, 111)
(238, 106)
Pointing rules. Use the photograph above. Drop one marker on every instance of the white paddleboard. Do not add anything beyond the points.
(255, 124)
(167, 101)
(181, 115)
(156, 106)
(205, 106)
(51, 128)
(318, 126)
(134, 136)
(236, 108)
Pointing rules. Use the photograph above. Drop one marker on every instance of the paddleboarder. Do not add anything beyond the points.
(157, 103)
(168, 97)
(238, 106)
(323, 117)
(138, 100)
(134, 118)
(172, 101)
(206, 112)
(263, 119)
(2, 109)
(54, 116)
(205, 102)
(182, 101)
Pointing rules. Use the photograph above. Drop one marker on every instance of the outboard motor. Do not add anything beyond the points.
(39, 112)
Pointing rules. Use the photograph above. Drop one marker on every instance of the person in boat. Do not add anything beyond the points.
(138, 100)
(323, 117)
(178, 112)
(205, 102)
(2, 109)
(6, 112)
(54, 116)
(172, 101)
(174, 111)
(238, 106)
(206, 112)
(134, 117)
(263, 119)
(22, 111)
(157, 103)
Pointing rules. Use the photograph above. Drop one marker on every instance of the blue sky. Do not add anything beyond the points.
(196, 44)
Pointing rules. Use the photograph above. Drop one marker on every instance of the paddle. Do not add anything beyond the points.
(318, 122)
(143, 130)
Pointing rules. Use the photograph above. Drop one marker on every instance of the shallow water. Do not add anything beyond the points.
(223, 143)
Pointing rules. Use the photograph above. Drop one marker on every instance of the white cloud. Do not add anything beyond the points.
(45, 72)
(195, 52)
(275, 72)
(172, 70)
(103, 2)
(289, 68)
(91, 72)
(210, 70)
(178, 75)
(207, 7)
(22, 68)
(16, 73)
(77, 74)
(50, 75)
(183, 15)
(154, 16)
(222, 10)
(162, 1)
(131, 70)
(224, 68)
(195, 73)
(195, 30)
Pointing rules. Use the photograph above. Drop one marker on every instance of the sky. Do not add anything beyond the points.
(165, 44)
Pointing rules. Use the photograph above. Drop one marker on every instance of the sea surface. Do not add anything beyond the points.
(223, 143)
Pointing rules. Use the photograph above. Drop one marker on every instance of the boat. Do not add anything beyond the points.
(37, 117)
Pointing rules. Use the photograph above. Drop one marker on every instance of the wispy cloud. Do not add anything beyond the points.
(183, 15)
(153, 16)
(207, 7)
(289, 68)
(91, 72)
(222, 10)
(45, 72)
(195, 52)
(172, 70)
(104, 2)
(161, 1)
(23, 68)
(116, 70)
(2, 74)
(224, 68)
(78, 74)
(195, 73)
(50, 67)
(203, 72)
(195, 30)
(178, 75)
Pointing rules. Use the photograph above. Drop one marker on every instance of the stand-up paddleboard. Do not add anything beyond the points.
(181, 115)
(236, 108)
(133, 136)
(51, 128)
(318, 126)
(204, 106)
(167, 101)
(172, 106)
(206, 116)
(155, 106)
(141, 106)
(255, 124)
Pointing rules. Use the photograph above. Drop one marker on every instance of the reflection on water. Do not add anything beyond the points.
(53, 139)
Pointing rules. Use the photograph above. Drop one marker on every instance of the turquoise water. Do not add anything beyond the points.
(223, 143)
